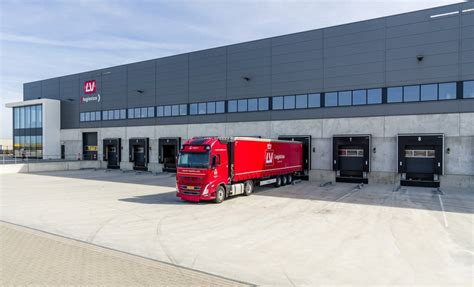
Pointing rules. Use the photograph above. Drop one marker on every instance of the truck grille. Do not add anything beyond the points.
(191, 192)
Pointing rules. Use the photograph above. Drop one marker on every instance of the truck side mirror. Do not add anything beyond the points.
(214, 162)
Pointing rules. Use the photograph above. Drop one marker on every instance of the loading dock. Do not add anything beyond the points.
(351, 158)
(420, 159)
(138, 153)
(167, 151)
(112, 150)
(89, 146)
(306, 140)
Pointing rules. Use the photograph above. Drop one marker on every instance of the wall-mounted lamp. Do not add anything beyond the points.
(374, 150)
(71, 100)
(419, 58)
(247, 79)
(448, 150)
(140, 91)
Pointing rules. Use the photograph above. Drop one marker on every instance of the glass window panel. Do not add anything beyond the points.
(116, 115)
(220, 107)
(277, 103)
(81, 117)
(136, 113)
(105, 115)
(175, 110)
(88, 116)
(301, 101)
(252, 105)
(160, 111)
(33, 117)
(202, 108)
(468, 90)
(374, 96)
(394, 95)
(330, 99)
(33, 146)
(27, 146)
(411, 93)
(314, 100)
(22, 117)
(359, 97)
(193, 109)
(123, 114)
(151, 112)
(28, 117)
(263, 104)
(289, 102)
(183, 109)
(345, 98)
(167, 111)
(39, 146)
(144, 112)
(39, 115)
(211, 107)
(232, 106)
(429, 92)
(447, 91)
(131, 113)
(242, 105)
(111, 114)
(97, 116)
(92, 116)
(16, 114)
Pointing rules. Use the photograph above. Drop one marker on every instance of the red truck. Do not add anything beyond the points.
(213, 168)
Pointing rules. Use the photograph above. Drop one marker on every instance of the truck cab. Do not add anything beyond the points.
(203, 170)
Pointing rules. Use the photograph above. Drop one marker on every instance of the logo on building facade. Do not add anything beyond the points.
(89, 87)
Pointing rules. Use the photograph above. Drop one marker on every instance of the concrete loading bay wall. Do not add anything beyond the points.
(458, 129)
(47, 166)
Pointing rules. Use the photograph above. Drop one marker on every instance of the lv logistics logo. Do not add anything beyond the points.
(89, 91)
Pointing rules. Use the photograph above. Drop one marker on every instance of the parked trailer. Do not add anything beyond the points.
(214, 168)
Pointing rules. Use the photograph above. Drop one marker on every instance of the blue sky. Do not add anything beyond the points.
(45, 39)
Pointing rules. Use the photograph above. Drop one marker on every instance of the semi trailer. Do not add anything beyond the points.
(214, 168)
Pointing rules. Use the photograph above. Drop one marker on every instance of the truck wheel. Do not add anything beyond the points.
(220, 194)
(283, 180)
(248, 187)
(289, 178)
(278, 181)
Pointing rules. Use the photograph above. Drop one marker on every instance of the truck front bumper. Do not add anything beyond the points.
(193, 197)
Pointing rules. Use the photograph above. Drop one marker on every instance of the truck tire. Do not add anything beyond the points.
(289, 178)
(220, 194)
(278, 181)
(283, 180)
(248, 187)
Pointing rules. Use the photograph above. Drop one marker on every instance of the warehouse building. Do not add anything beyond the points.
(387, 100)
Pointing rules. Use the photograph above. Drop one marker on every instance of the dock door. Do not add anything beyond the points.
(420, 159)
(351, 158)
(112, 152)
(167, 151)
(306, 140)
(138, 153)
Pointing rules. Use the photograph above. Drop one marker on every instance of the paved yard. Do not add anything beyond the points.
(295, 235)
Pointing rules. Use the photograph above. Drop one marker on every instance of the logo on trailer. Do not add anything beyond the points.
(89, 87)
(269, 155)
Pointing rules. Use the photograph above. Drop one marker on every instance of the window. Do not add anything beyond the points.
(359, 97)
(345, 98)
(330, 99)
(92, 116)
(429, 92)
(447, 91)
(202, 108)
(175, 110)
(130, 113)
(28, 117)
(111, 115)
(116, 114)
(468, 89)
(411, 93)
(39, 114)
(242, 105)
(22, 117)
(97, 116)
(33, 116)
(167, 111)
(16, 113)
(211, 107)
(88, 117)
(220, 107)
(151, 112)
(160, 111)
(252, 105)
(143, 112)
(374, 96)
(183, 110)
(301, 101)
(193, 109)
(394, 95)
(314, 100)
(82, 117)
(277, 103)
(232, 106)
(289, 102)
(123, 114)
(136, 113)
(263, 104)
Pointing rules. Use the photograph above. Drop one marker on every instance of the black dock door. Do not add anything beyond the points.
(420, 159)
(351, 158)
(89, 146)
(138, 150)
(167, 151)
(112, 152)
(306, 140)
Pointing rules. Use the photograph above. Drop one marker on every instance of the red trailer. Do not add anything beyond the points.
(214, 168)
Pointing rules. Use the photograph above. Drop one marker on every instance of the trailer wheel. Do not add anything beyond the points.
(248, 187)
(278, 181)
(220, 194)
(289, 178)
(283, 180)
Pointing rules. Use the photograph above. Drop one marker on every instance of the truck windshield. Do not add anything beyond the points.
(194, 159)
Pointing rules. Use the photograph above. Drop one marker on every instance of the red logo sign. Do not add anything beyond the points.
(89, 87)
(269, 157)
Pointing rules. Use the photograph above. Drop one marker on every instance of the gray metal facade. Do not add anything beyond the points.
(369, 54)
